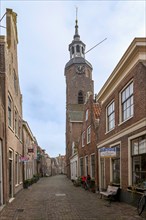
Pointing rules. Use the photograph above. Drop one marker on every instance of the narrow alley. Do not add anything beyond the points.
(55, 198)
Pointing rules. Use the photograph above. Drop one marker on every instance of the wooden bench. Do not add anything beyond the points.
(111, 193)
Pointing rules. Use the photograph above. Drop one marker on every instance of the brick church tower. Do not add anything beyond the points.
(78, 73)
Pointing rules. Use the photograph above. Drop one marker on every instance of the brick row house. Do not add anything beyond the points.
(122, 125)
(20, 155)
(29, 152)
(87, 145)
(12, 147)
(3, 152)
(106, 135)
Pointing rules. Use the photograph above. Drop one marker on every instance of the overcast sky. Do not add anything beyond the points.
(45, 29)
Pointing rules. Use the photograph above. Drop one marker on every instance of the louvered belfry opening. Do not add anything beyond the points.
(80, 97)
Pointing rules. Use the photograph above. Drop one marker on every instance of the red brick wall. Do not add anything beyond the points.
(138, 74)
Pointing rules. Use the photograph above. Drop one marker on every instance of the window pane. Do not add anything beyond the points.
(131, 88)
(86, 114)
(116, 166)
(139, 161)
(139, 170)
(123, 96)
(135, 147)
(127, 102)
(116, 171)
(88, 135)
(111, 116)
(142, 146)
(9, 112)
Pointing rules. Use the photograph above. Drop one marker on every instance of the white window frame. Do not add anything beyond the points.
(91, 170)
(111, 108)
(111, 171)
(138, 150)
(16, 122)
(16, 169)
(87, 114)
(89, 134)
(130, 98)
(10, 112)
(81, 158)
(129, 155)
(83, 139)
(11, 157)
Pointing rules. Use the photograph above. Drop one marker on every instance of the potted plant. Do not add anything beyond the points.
(26, 184)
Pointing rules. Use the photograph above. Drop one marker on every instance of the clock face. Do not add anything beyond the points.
(80, 69)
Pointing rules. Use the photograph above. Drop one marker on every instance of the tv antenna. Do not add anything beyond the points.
(2, 19)
(95, 46)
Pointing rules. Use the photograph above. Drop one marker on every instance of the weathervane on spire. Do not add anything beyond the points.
(76, 26)
(76, 13)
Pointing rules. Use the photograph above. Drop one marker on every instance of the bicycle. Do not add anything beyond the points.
(141, 203)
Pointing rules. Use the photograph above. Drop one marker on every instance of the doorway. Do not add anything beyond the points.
(1, 175)
(102, 172)
(10, 174)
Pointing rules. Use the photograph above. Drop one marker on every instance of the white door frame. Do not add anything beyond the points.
(101, 173)
(12, 173)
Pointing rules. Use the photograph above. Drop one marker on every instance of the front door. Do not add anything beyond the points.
(10, 179)
(10, 173)
(1, 176)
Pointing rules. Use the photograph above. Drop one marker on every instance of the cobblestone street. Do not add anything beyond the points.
(55, 198)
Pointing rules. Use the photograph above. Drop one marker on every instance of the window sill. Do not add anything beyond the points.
(122, 122)
(11, 128)
(109, 131)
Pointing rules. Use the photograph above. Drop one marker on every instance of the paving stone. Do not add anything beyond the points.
(55, 198)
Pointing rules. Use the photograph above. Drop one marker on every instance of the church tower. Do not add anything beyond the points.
(78, 74)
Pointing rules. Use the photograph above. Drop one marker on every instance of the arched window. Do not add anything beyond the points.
(80, 97)
(78, 48)
(82, 50)
(72, 50)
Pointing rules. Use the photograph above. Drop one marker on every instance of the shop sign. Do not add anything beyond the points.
(108, 152)
(23, 159)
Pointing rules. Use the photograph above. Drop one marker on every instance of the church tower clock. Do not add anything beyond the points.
(78, 74)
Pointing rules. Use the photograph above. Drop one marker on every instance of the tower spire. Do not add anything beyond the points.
(77, 47)
(76, 25)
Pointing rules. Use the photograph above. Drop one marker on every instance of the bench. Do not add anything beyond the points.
(111, 193)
